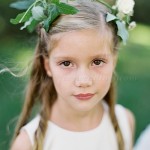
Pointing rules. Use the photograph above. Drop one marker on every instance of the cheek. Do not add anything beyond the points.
(104, 74)
(62, 79)
(103, 79)
(103, 84)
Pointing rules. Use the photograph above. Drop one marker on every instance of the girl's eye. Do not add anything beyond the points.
(98, 62)
(66, 63)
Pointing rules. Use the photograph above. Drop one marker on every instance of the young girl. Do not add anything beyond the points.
(72, 78)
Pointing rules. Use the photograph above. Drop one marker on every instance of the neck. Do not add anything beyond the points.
(75, 120)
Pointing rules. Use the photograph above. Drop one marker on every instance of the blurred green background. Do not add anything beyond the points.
(133, 69)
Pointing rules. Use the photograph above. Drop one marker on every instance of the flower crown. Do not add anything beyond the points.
(46, 11)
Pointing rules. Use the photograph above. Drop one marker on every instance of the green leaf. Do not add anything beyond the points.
(17, 19)
(110, 17)
(128, 19)
(22, 5)
(53, 13)
(20, 16)
(122, 31)
(32, 26)
(55, 1)
(66, 9)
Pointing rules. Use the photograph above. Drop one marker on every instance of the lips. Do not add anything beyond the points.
(86, 96)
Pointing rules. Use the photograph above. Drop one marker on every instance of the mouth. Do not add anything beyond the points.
(86, 96)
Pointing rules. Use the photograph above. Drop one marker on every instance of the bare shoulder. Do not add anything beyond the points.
(22, 142)
(131, 119)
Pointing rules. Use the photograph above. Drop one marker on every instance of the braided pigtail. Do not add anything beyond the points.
(47, 94)
(110, 99)
(41, 130)
(47, 102)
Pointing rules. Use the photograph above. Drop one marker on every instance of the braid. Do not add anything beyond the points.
(110, 99)
(48, 98)
(41, 130)
(47, 94)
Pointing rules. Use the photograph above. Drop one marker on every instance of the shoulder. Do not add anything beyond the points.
(25, 140)
(126, 116)
(126, 122)
(22, 142)
(131, 119)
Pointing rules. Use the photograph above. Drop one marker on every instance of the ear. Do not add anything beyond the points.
(47, 67)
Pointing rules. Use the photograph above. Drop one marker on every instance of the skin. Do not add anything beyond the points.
(80, 64)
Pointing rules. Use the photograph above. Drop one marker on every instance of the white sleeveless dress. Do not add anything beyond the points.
(102, 137)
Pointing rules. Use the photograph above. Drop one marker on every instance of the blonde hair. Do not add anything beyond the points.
(41, 89)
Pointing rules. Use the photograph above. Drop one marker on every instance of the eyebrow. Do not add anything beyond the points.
(74, 58)
(100, 55)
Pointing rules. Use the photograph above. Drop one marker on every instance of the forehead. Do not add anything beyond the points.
(89, 41)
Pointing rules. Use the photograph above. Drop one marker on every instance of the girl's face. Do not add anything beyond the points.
(81, 66)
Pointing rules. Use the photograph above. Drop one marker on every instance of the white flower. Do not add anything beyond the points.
(125, 6)
(38, 13)
(132, 25)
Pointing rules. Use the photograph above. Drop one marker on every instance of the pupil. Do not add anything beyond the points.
(97, 62)
(66, 63)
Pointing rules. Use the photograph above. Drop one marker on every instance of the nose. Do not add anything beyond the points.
(83, 78)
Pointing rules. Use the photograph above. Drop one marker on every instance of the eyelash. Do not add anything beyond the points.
(63, 63)
(67, 63)
(100, 62)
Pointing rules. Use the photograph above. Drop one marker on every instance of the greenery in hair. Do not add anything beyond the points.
(40, 11)
(46, 11)
(121, 14)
